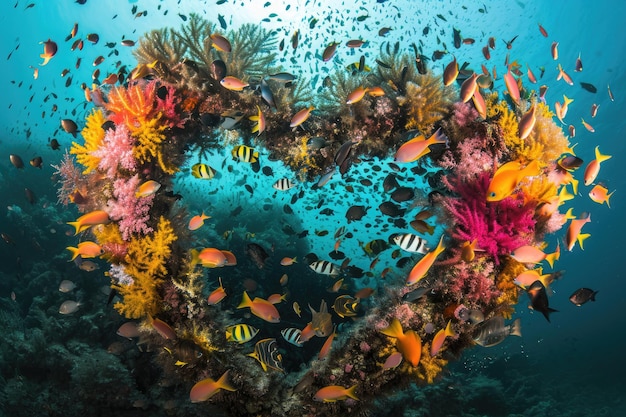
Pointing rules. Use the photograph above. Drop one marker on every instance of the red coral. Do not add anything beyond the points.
(499, 227)
(472, 284)
(169, 107)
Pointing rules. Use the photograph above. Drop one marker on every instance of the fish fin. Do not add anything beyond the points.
(350, 392)
(600, 157)
(608, 197)
(581, 238)
(74, 252)
(223, 382)
(516, 330)
(593, 296)
(394, 329)
(449, 332)
(246, 301)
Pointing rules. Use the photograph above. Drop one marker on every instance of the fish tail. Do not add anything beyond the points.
(439, 137)
(246, 301)
(440, 247)
(224, 384)
(600, 157)
(394, 329)
(75, 252)
(350, 392)
(608, 197)
(533, 169)
(554, 256)
(76, 226)
(449, 332)
(567, 101)
(516, 330)
(581, 238)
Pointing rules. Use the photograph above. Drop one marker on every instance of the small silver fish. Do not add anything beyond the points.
(69, 307)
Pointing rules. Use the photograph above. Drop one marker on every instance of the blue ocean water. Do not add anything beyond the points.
(53, 364)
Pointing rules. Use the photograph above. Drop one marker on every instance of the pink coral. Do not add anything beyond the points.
(464, 114)
(168, 106)
(130, 211)
(70, 178)
(469, 158)
(499, 227)
(116, 151)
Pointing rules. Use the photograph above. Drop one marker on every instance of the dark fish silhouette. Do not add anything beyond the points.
(257, 254)
(582, 295)
(539, 299)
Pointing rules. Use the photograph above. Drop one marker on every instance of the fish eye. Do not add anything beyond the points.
(492, 194)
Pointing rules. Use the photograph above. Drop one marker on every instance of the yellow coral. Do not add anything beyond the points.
(540, 189)
(300, 159)
(504, 283)
(145, 260)
(426, 102)
(201, 336)
(150, 137)
(107, 235)
(430, 366)
(93, 134)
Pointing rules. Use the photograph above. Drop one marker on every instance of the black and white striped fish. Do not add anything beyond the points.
(284, 184)
(411, 243)
(325, 268)
(292, 335)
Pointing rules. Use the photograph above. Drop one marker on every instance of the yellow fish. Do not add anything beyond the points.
(507, 177)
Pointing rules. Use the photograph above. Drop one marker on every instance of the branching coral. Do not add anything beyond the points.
(93, 134)
(159, 45)
(146, 264)
(498, 227)
(425, 102)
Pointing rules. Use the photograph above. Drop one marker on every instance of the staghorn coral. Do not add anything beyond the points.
(145, 263)
(159, 45)
(425, 102)
(93, 134)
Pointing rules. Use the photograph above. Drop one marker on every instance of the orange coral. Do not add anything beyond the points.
(504, 283)
(426, 103)
(146, 260)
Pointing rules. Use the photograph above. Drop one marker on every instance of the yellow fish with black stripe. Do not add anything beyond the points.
(245, 153)
(203, 171)
(240, 333)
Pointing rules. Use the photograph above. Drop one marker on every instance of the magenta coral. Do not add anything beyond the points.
(168, 107)
(499, 227)
(116, 151)
(131, 212)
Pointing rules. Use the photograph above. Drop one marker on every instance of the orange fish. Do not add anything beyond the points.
(277, 298)
(600, 194)
(573, 232)
(197, 222)
(479, 103)
(527, 122)
(468, 250)
(450, 72)
(209, 258)
(217, 294)
(93, 218)
(564, 75)
(529, 254)
(148, 188)
(507, 177)
(260, 308)
(207, 388)
(543, 31)
(376, 91)
(468, 87)
(511, 86)
(440, 337)
(286, 261)
(593, 168)
(587, 126)
(162, 328)
(86, 250)
(561, 110)
(231, 260)
(325, 350)
(301, 116)
(356, 95)
(531, 76)
(334, 393)
(408, 343)
(49, 51)
(419, 146)
(421, 268)
(555, 50)
(234, 84)
(526, 278)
